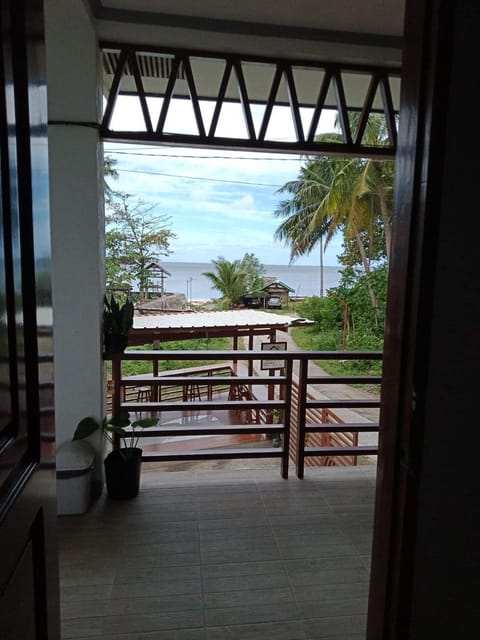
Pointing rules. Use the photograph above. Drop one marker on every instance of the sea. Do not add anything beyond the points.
(187, 278)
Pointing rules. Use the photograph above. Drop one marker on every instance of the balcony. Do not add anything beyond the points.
(225, 554)
(302, 396)
(231, 548)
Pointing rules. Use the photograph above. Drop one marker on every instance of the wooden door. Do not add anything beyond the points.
(28, 556)
(420, 329)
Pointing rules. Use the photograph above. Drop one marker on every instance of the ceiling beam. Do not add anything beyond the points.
(242, 27)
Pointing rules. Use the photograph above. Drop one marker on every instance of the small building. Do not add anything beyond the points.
(156, 285)
(274, 287)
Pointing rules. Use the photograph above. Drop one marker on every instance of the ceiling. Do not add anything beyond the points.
(344, 31)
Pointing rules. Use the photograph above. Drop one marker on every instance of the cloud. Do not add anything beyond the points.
(212, 210)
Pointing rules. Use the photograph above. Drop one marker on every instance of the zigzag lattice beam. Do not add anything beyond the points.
(247, 103)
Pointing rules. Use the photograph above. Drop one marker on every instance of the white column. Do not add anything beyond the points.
(76, 201)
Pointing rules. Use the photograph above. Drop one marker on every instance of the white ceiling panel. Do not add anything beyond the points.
(344, 31)
(383, 17)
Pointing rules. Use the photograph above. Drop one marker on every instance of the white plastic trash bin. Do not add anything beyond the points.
(74, 477)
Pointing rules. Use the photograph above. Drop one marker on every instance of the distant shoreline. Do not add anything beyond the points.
(188, 278)
(282, 266)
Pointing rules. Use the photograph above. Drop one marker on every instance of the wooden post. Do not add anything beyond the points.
(271, 396)
(250, 348)
(287, 417)
(301, 417)
(250, 362)
(116, 399)
(235, 348)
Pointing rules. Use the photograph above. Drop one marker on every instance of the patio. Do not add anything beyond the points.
(230, 553)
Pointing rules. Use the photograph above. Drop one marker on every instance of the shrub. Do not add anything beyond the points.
(326, 312)
(365, 342)
(310, 339)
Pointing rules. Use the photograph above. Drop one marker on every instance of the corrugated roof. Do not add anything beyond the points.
(279, 283)
(235, 318)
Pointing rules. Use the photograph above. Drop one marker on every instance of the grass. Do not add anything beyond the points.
(311, 339)
(139, 367)
(306, 338)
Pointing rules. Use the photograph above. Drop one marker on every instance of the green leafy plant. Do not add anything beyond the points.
(117, 317)
(119, 425)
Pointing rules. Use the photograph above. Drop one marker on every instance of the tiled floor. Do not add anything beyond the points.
(222, 555)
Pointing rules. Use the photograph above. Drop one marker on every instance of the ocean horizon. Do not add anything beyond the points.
(187, 278)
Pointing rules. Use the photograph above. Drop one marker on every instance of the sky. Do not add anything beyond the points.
(219, 203)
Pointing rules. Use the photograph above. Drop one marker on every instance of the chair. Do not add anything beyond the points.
(144, 394)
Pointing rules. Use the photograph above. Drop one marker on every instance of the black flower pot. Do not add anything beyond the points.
(115, 343)
(122, 473)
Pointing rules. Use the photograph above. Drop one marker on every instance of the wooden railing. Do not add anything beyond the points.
(307, 425)
(329, 439)
(133, 389)
(336, 429)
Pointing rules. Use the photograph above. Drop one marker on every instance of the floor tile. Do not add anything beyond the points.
(148, 622)
(236, 598)
(250, 581)
(222, 556)
(251, 614)
(284, 630)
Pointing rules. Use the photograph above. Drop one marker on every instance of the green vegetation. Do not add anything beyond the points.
(347, 307)
(117, 316)
(138, 367)
(134, 236)
(236, 279)
(310, 339)
(352, 196)
(346, 319)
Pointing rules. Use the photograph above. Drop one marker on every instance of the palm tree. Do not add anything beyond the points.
(336, 194)
(301, 228)
(228, 278)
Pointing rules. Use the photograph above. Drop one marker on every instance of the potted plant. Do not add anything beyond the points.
(123, 464)
(117, 323)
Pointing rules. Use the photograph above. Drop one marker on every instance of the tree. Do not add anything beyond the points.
(109, 171)
(350, 195)
(252, 270)
(236, 279)
(306, 192)
(134, 238)
(228, 279)
(353, 288)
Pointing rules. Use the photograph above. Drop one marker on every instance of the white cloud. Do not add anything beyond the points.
(211, 217)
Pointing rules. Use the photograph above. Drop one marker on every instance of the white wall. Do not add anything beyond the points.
(76, 198)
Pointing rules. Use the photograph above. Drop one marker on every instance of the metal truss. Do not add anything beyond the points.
(161, 85)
